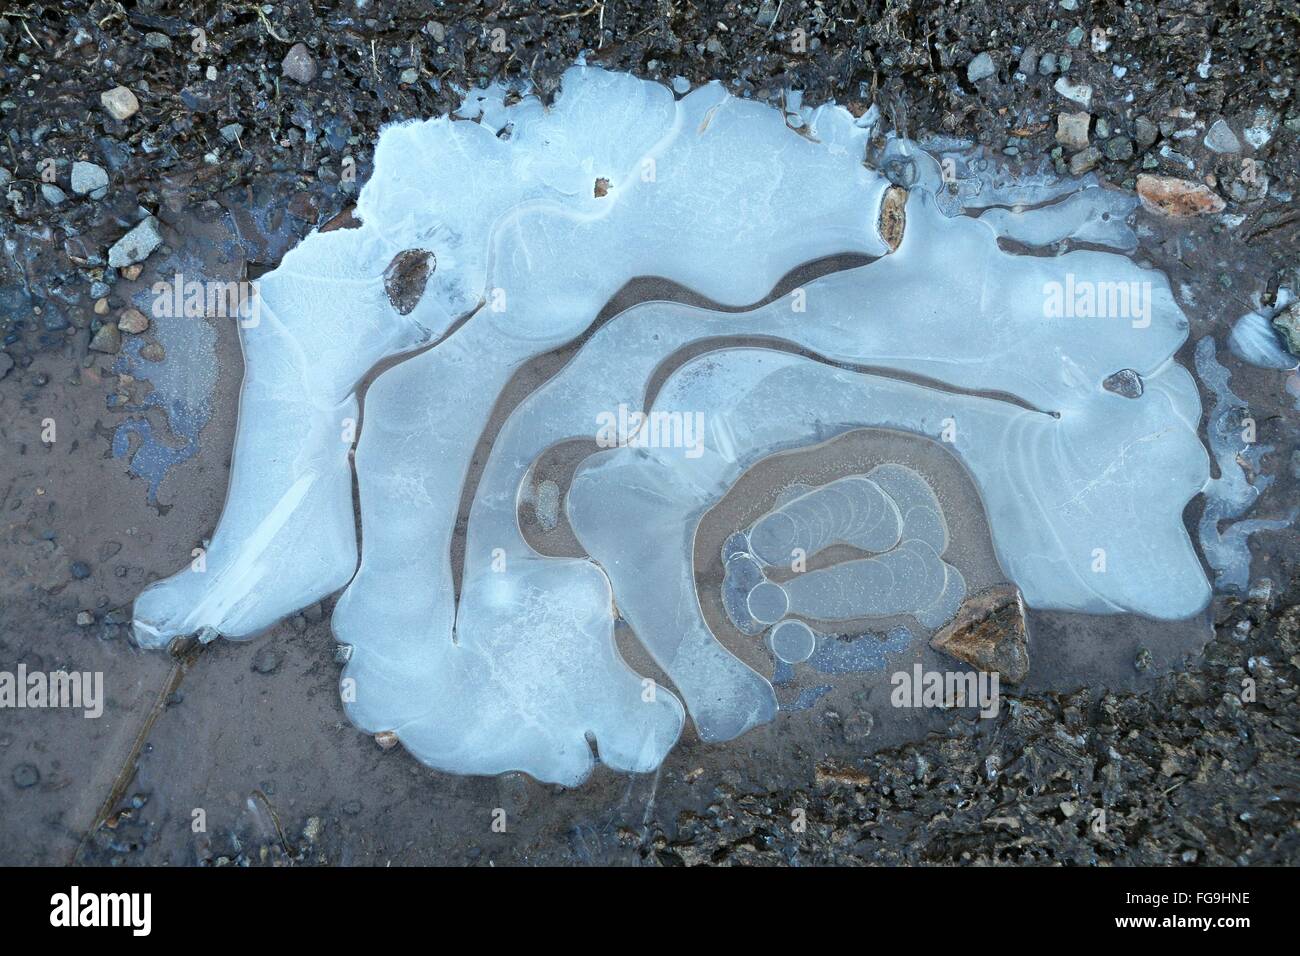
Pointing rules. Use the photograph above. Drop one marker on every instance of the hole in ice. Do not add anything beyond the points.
(811, 299)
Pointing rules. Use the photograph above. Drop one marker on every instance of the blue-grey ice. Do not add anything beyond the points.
(534, 216)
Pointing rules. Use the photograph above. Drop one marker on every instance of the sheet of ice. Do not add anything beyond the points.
(535, 217)
(509, 219)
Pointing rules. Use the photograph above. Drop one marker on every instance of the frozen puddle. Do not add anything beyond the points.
(500, 235)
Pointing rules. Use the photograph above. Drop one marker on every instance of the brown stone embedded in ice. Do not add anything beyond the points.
(989, 633)
(1177, 197)
(893, 216)
(406, 277)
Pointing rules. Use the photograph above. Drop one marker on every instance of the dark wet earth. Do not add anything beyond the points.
(240, 753)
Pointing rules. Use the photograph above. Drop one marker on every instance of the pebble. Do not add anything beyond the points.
(1080, 93)
(90, 180)
(1084, 160)
(85, 619)
(153, 352)
(157, 41)
(1125, 382)
(133, 321)
(1261, 131)
(107, 340)
(267, 660)
(298, 64)
(1146, 131)
(1221, 138)
(1287, 323)
(120, 103)
(53, 194)
(1119, 148)
(1074, 38)
(80, 570)
(1047, 64)
(231, 132)
(136, 245)
(1177, 197)
(980, 68)
(1072, 129)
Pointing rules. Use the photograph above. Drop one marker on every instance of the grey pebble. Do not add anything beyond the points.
(89, 179)
(298, 64)
(980, 68)
(267, 660)
(136, 245)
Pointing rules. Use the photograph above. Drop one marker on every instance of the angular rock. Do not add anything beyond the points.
(1221, 139)
(980, 68)
(1080, 93)
(1072, 129)
(136, 245)
(1287, 323)
(989, 632)
(1145, 131)
(406, 276)
(120, 103)
(298, 64)
(1177, 197)
(1084, 160)
(1119, 148)
(1125, 382)
(107, 340)
(89, 179)
(133, 321)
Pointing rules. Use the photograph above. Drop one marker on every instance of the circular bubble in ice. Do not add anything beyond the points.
(793, 642)
(768, 602)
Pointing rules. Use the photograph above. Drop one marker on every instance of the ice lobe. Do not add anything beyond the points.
(499, 236)
(850, 511)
